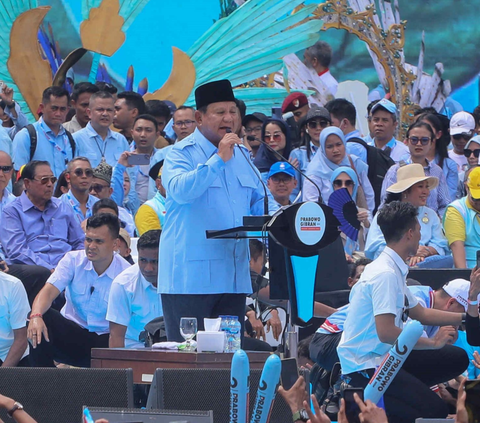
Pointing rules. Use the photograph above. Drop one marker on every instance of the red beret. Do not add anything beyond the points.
(293, 102)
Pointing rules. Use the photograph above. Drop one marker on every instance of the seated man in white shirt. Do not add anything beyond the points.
(14, 309)
(86, 276)
(133, 300)
(380, 303)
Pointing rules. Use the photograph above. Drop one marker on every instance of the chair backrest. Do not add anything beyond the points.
(206, 389)
(58, 395)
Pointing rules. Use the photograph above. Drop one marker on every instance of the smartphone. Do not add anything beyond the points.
(472, 403)
(138, 159)
(478, 259)
(277, 112)
(352, 410)
(2, 86)
(289, 373)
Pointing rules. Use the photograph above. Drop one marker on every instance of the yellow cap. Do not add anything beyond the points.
(473, 183)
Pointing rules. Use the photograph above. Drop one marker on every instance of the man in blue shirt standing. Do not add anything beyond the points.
(53, 143)
(97, 142)
(210, 184)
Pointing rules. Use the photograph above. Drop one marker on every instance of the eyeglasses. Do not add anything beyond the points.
(465, 136)
(312, 124)
(250, 130)
(281, 179)
(80, 172)
(338, 183)
(422, 140)
(467, 152)
(276, 137)
(406, 310)
(46, 179)
(98, 187)
(186, 123)
(6, 169)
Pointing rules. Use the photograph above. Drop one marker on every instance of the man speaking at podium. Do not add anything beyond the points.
(210, 185)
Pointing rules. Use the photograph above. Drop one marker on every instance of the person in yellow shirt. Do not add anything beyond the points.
(151, 215)
(462, 223)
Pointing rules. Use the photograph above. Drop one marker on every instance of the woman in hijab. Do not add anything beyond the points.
(275, 133)
(332, 155)
(345, 177)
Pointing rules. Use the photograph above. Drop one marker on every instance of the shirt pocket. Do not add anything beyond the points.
(216, 193)
(247, 185)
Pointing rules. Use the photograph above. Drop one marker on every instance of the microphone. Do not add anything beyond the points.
(320, 199)
(287, 115)
(259, 177)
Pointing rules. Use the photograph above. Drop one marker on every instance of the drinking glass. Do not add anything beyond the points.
(188, 329)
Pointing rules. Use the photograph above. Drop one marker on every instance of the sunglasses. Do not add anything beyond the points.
(467, 152)
(6, 169)
(338, 183)
(46, 179)
(80, 172)
(98, 188)
(281, 179)
(466, 137)
(421, 140)
(276, 137)
(312, 124)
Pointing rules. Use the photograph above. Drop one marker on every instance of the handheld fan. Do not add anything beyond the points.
(345, 210)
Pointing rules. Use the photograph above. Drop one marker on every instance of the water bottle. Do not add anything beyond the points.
(225, 329)
(235, 329)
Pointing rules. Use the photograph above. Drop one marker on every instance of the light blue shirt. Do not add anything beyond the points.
(32, 236)
(399, 149)
(93, 147)
(301, 155)
(19, 122)
(55, 149)
(133, 302)
(127, 220)
(431, 234)
(7, 198)
(205, 193)
(14, 309)
(86, 292)
(5, 141)
(70, 200)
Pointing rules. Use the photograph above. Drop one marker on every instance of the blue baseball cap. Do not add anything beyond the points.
(385, 104)
(281, 167)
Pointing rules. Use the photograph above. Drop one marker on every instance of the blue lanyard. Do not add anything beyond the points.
(55, 145)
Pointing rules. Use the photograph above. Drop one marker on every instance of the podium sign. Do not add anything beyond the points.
(303, 230)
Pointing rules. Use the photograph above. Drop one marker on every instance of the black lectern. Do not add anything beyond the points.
(297, 236)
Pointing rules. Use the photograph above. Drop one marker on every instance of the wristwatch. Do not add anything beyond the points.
(16, 406)
(300, 415)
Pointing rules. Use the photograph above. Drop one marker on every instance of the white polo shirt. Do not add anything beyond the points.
(133, 302)
(14, 309)
(381, 290)
(86, 292)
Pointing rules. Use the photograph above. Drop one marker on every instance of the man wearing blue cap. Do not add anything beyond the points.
(281, 182)
(384, 122)
(210, 184)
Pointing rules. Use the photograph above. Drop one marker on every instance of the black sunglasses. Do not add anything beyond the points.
(338, 183)
(98, 188)
(312, 124)
(6, 169)
(422, 140)
(467, 152)
(80, 172)
(465, 136)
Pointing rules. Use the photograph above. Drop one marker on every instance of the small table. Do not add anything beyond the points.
(145, 361)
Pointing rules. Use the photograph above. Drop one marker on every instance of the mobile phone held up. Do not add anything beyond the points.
(478, 259)
(352, 410)
(138, 159)
(289, 374)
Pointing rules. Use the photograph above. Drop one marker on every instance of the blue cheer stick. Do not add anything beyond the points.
(266, 390)
(393, 362)
(239, 388)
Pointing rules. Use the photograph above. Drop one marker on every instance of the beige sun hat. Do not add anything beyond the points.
(409, 175)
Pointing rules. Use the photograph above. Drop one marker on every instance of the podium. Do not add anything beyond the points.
(305, 256)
